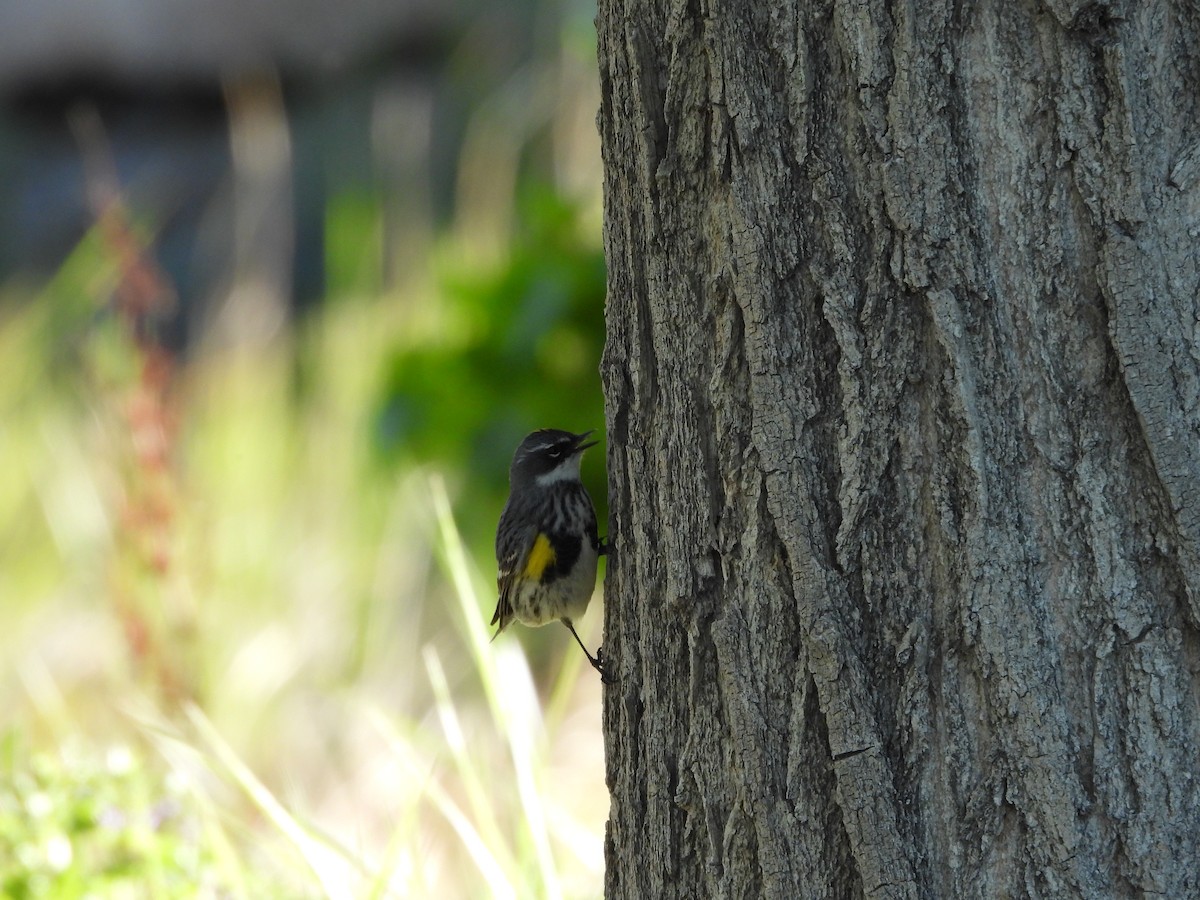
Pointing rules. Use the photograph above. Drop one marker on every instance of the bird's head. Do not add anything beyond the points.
(547, 456)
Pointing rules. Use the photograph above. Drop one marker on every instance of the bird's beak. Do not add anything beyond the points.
(579, 445)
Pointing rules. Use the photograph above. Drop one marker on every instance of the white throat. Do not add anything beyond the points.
(568, 470)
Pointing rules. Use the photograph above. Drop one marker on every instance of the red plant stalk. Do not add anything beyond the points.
(149, 595)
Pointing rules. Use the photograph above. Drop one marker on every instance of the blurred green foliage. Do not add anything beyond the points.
(282, 559)
(354, 245)
(83, 823)
(519, 349)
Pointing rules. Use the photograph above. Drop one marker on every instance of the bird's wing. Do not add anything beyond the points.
(512, 555)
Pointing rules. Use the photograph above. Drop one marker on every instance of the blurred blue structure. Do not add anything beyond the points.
(232, 125)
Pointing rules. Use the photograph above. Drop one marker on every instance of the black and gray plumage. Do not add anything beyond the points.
(546, 544)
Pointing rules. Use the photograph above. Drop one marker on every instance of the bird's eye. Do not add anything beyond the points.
(554, 454)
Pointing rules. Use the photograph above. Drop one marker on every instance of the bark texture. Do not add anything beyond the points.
(903, 377)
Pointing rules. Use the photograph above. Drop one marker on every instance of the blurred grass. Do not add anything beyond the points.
(244, 645)
(356, 720)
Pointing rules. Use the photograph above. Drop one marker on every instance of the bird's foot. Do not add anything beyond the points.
(598, 664)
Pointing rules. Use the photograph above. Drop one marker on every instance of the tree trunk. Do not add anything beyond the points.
(902, 377)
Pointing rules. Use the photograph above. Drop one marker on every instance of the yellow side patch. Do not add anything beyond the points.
(541, 555)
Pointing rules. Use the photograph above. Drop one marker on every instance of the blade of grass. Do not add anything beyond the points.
(454, 560)
(487, 863)
(510, 691)
(396, 856)
(563, 689)
(227, 832)
(329, 865)
(524, 727)
(483, 810)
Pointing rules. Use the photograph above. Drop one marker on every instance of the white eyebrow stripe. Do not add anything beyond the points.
(547, 445)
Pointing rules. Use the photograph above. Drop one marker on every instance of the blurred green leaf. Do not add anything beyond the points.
(527, 357)
(354, 245)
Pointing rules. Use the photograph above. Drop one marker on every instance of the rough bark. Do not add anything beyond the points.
(904, 455)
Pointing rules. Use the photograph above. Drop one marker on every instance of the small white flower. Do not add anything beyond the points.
(119, 760)
(38, 804)
(58, 852)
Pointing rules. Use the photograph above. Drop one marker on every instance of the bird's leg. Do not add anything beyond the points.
(596, 660)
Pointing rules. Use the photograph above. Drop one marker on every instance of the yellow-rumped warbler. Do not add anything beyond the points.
(546, 543)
